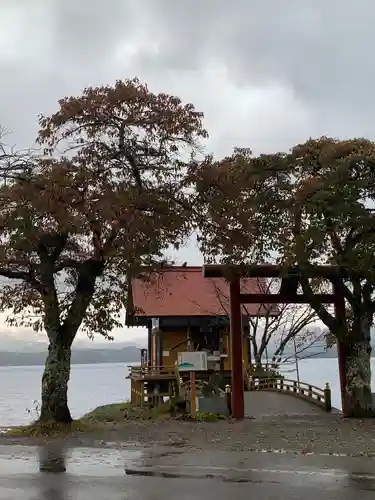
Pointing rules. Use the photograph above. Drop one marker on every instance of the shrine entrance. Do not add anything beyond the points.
(288, 294)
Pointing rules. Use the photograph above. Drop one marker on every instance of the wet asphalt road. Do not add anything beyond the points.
(54, 473)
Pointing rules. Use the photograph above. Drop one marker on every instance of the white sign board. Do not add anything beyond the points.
(195, 361)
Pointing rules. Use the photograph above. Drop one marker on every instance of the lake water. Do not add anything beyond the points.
(94, 385)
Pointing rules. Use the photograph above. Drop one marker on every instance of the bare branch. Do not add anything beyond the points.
(67, 264)
(17, 275)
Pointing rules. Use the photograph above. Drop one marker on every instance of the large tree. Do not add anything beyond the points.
(313, 205)
(107, 198)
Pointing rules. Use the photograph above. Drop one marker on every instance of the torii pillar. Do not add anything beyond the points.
(236, 356)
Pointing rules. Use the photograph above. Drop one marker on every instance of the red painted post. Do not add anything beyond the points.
(238, 406)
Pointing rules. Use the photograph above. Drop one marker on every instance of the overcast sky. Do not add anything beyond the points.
(266, 73)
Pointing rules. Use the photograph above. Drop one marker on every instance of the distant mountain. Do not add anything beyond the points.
(318, 350)
(9, 343)
(12, 343)
(127, 354)
(322, 352)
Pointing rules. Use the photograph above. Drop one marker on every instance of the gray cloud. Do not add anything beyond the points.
(267, 73)
(321, 48)
(85, 32)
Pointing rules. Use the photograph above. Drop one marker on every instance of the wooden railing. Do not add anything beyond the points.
(151, 371)
(316, 395)
(266, 367)
(140, 396)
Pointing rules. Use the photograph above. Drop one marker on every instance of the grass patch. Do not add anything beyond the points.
(116, 412)
(120, 412)
(52, 429)
(209, 417)
(94, 420)
(100, 418)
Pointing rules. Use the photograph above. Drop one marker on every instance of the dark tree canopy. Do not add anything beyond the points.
(313, 205)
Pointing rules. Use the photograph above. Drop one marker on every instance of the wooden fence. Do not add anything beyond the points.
(311, 393)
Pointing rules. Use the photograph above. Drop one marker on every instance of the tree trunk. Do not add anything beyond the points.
(356, 352)
(55, 384)
(258, 360)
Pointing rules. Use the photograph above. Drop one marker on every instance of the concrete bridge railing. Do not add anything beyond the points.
(308, 392)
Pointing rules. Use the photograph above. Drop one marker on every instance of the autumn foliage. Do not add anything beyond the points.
(107, 197)
(121, 177)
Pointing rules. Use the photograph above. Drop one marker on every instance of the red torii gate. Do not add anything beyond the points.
(287, 295)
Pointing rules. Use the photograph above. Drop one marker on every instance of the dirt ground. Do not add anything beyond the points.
(321, 434)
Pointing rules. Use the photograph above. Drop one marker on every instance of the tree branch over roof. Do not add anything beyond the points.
(306, 207)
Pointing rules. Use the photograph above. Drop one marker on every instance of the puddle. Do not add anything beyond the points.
(185, 475)
(307, 477)
(77, 461)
